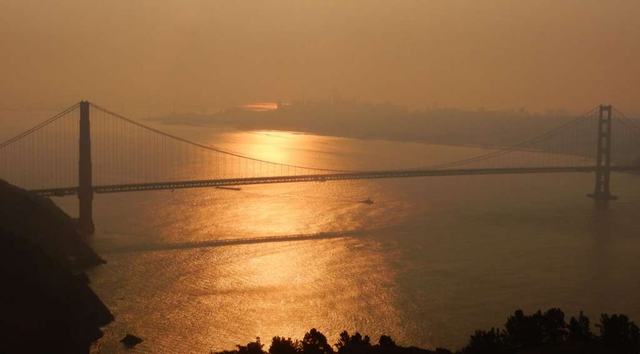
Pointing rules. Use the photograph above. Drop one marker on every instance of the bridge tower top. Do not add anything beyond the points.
(606, 108)
(602, 189)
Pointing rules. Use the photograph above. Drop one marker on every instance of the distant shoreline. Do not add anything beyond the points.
(341, 136)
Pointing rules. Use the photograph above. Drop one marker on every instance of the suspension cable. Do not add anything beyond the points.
(518, 147)
(38, 127)
(130, 121)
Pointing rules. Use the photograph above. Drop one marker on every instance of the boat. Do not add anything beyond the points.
(366, 201)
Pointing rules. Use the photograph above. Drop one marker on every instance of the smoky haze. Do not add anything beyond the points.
(152, 54)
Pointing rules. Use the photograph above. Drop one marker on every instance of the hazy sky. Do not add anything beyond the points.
(205, 53)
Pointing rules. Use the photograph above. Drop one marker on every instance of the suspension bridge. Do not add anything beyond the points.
(87, 149)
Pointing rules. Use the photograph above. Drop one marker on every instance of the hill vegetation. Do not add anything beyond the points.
(538, 333)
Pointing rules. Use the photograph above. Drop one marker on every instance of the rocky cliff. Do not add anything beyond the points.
(46, 225)
(46, 303)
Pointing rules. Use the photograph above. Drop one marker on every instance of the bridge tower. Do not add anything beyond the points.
(603, 156)
(85, 190)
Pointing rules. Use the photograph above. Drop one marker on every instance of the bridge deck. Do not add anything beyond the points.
(136, 187)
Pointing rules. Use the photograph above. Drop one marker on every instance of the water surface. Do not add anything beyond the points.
(429, 262)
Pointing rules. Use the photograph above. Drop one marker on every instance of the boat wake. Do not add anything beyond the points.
(235, 241)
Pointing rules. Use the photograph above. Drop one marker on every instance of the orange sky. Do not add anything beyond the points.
(150, 54)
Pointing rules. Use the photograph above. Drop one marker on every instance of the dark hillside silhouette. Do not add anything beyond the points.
(45, 307)
(46, 303)
(46, 225)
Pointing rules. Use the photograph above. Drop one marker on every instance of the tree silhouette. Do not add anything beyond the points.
(315, 342)
(250, 348)
(579, 329)
(483, 342)
(524, 331)
(537, 333)
(353, 344)
(619, 334)
(554, 327)
(281, 345)
(386, 342)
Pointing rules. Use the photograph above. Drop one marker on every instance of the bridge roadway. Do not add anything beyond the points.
(137, 187)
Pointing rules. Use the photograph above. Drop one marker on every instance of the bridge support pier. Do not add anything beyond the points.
(85, 190)
(602, 189)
